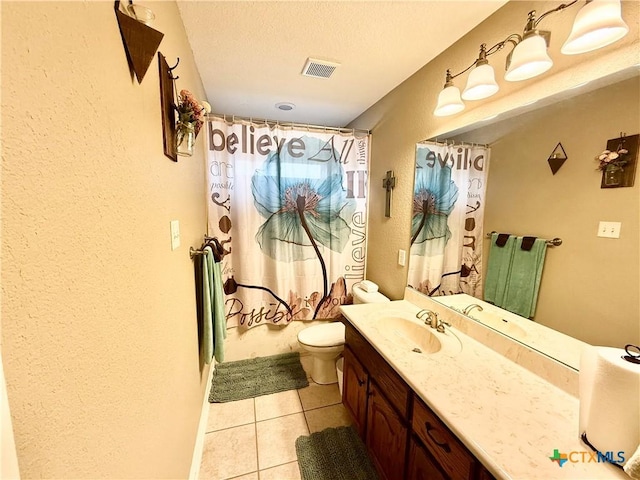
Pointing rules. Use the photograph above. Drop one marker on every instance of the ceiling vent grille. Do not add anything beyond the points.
(319, 68)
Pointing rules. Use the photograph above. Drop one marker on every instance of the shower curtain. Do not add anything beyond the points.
(288, 205)
(447, 217)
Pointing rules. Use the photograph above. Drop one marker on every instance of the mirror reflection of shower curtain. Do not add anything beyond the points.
(448, 210)
(289, 208)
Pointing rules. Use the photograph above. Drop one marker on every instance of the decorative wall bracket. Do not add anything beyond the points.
(557, 158)
(625, 177)
(140, 42)
(167, 98)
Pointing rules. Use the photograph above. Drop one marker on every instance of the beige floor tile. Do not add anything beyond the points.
(229, 453)
(248, 476)
(316, 396)
(277, 405)
(332, 416)
(230, 414)
(276, 439)
(288, 471)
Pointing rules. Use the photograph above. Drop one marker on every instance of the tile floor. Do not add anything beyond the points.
(254, 439)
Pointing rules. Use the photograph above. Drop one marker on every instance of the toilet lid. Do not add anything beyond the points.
(325, 335)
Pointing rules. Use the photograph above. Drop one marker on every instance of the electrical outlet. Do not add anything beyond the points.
(402, 257)
(609, 229)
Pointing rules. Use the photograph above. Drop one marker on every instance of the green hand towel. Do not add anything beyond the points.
(498, 270)
(524, 282)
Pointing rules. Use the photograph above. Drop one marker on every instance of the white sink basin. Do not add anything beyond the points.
(408, 334)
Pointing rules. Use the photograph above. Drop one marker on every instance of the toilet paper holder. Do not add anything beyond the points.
(605, 458)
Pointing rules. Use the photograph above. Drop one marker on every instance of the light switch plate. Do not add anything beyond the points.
(175, 234)
(609, 229)
(402, 257)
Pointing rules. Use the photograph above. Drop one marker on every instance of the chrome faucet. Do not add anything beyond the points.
(432, 320)
(468, 308)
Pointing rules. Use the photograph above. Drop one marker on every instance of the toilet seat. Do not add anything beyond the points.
(325, 335)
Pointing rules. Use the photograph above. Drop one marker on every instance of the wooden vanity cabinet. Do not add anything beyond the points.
(386, 435)
(354, 390)
(377, 399)
(421, 464)
(404, 438)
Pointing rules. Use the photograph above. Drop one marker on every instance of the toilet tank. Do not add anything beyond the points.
(360, 296)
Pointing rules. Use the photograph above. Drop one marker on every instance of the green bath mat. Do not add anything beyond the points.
(257, 376)
(334, 454)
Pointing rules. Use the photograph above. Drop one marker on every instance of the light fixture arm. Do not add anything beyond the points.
(514, 38)
(533, 22)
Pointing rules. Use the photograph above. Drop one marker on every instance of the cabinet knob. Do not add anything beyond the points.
(433, 433)
(360, 382)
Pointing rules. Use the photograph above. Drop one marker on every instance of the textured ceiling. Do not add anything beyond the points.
(250, 54)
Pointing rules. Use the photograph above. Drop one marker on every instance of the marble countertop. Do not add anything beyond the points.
(511, 419)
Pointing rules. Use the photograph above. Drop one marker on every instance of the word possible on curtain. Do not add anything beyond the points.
(448, 211)
(289, 207)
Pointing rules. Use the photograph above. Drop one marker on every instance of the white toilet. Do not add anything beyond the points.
(325, 342)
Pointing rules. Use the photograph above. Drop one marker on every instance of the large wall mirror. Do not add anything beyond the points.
(590, 285)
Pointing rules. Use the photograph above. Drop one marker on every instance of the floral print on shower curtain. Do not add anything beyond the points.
(289, 208)
(447, 218)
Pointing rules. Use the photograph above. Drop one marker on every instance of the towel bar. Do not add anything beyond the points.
(556, 242)
(193, 252)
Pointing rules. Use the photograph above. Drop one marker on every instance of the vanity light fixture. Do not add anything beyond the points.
(449, 101)
(482, 79)
(598, 24)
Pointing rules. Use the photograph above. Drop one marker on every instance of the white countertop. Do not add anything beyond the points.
(509, 418)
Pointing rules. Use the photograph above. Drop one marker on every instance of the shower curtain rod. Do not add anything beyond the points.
(446, 143)
(224, 117)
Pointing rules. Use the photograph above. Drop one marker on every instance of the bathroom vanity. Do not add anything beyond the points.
(404, 437)
(448, 405)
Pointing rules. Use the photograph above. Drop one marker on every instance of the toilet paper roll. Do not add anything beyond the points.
(609, 389)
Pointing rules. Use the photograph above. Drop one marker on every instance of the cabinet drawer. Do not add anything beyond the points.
(452, 456)
(394, 388)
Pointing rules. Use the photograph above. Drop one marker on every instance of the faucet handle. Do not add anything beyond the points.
(440, 326)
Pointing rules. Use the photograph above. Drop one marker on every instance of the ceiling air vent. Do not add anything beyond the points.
(319, 68)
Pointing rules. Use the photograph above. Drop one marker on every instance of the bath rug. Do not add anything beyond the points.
(334, 454)
(257, 376)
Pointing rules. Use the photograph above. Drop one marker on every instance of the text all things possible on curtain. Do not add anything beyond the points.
(290, 208)
(447, 219)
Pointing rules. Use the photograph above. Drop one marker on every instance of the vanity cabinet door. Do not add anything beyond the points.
(421, 464)
(354, 390)
(386, 436)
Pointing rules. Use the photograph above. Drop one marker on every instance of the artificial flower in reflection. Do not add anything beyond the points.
(434, 197)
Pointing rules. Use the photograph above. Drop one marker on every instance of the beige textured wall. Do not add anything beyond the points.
(590, 285)
(99, 335)
(404, 116)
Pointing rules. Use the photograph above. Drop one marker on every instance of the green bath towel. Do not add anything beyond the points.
(524, 281)
(207, 285)
(498, 270)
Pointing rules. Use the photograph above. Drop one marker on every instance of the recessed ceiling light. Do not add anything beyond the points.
(286, 106)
